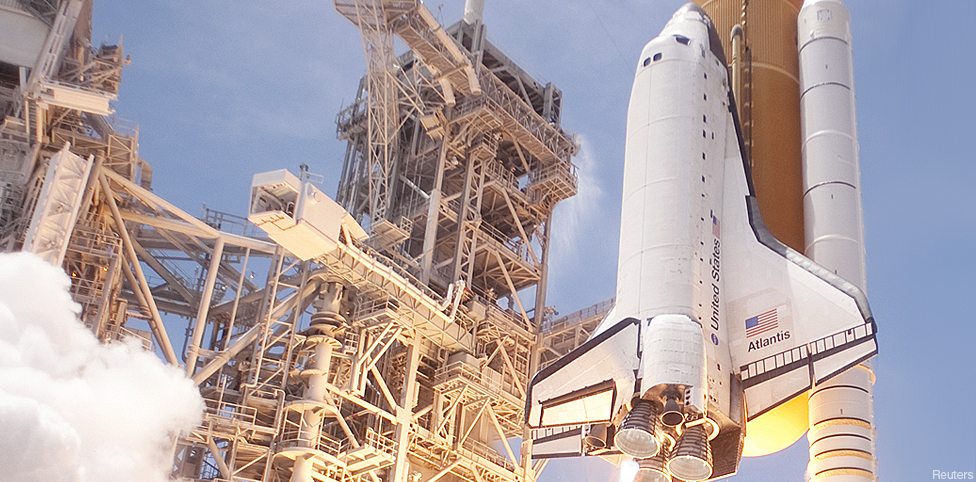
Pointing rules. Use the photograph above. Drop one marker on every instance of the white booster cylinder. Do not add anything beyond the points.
(842, 431)
(474, 11)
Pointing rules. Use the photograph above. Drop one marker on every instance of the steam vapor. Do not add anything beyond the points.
(72, 409)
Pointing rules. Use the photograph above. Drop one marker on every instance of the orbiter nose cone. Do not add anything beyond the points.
(690, 7)
(691, 12)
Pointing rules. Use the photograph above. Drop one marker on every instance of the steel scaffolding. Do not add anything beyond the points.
(403, 355)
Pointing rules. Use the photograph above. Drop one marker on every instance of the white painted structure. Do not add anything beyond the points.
(716, 322)
(297, 215)
(23, 38)
(841, 413)
(58, 205)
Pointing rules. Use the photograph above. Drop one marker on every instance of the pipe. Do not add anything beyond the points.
(193, 351)
(738, 54)
(474, 11)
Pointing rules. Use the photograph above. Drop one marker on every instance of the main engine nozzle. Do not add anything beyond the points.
(692, 456)
(638, 436)
(672, 415)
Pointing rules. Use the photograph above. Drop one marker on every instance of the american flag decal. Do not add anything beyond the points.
(761, 323)
(716, 227)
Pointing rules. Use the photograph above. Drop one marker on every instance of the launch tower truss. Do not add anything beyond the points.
(401, 356)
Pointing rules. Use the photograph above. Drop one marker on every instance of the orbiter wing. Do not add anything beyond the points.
(588, 385)
(791, 322)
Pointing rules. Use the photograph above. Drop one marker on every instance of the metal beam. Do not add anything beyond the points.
(188, 229)
(222, 357)
(203, 307)
(501, 433)
(511, 286)
(518, 224)
(225, 471)
(444, 471)
(157, 323)
(157, 202)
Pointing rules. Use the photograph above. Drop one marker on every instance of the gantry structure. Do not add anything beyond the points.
(396, 347)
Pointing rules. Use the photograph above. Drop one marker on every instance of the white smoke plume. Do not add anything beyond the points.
(72, 409)
(577, 212)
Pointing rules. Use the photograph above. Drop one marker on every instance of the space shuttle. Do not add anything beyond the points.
(716, 322)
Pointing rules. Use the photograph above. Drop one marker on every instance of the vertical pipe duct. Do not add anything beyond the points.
(841, 410)
(321, 339)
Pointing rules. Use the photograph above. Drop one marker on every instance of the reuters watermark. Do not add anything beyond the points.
(940, 475)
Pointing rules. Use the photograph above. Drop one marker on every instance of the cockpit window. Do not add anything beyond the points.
(682, 39)
(647, 61)
(657, 56)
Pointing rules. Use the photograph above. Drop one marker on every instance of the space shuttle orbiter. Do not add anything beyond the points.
(716, 322)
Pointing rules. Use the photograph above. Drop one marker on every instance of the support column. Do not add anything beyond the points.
(433, 215)
(404, 414)
(203, 307)
(321, 338)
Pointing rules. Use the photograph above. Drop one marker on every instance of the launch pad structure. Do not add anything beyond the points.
(401, 353)
(398, 345)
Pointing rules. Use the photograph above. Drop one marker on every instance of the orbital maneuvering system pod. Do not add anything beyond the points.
(716, 322)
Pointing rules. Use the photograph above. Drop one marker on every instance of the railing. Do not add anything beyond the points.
(144, 339)
(575, 318)
(352, 118)
(90, 242)
(123, 126)
(514, 245)
(495, 170)
(373, 307)
(552, 138)
(232, 224)
(78, 88)
(490, 233)
(398, 269)
(380, 442)
(488, 453)
(297, 434)
(489, 380)
(220, 410)
(566, 170)
(496, 313)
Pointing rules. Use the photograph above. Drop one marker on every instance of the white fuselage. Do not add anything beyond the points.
(676, 129)
(670, 235)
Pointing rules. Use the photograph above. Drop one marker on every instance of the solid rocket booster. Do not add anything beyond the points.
(831, 178)
(834, 229)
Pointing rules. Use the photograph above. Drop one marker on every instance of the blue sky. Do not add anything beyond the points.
(225, 89)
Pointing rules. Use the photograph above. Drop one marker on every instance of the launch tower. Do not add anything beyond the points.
(398, 353)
